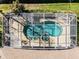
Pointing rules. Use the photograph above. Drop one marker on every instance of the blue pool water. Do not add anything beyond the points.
(48, 27)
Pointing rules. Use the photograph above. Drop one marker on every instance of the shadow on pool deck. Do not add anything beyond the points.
(45, 48)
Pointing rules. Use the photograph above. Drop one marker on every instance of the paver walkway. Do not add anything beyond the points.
(11, 53)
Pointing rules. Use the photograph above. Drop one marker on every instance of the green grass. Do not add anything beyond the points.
(5, 7)
(53, 7)
(60, 6)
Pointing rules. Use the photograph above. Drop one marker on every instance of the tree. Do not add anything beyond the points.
(17, 8)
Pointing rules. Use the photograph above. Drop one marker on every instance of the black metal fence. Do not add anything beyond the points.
(14, 24)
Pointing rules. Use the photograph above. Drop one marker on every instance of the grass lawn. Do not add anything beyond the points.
(52, 7)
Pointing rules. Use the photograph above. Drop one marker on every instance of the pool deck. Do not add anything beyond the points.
(2, 55)
(11, 53)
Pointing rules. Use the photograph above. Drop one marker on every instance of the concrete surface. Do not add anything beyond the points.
(2, 55)
(11, 53)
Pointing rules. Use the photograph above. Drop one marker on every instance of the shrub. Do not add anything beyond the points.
(0, 38)
(78, 33)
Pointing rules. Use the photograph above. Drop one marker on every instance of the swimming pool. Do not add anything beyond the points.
(35, 31)
(41, 30)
